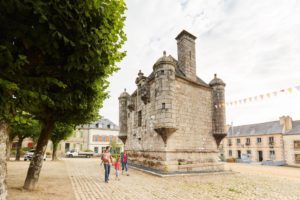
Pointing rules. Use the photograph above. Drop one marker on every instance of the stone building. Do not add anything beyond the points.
(277, 141)
(174, 121)
(94, 137)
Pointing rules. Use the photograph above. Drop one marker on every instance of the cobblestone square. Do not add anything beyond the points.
(250, 182)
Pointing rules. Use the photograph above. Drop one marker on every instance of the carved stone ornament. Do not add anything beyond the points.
(145, 93)
(130, 104)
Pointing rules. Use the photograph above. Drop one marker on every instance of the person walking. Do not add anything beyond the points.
(117, 168)
(124, 159)
(107, 160)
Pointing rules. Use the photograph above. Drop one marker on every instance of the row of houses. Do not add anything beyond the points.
(90, 137)
(276, 141)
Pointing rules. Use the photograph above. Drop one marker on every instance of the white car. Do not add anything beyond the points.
(29, 154)
(77, 153)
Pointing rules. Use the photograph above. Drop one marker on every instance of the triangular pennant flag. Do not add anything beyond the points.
(290, 90)
(240, 101)
(268, 95)
(250, 99)
(261, 96)
(245, 100)
(275, 93)
(282, 90)
(298, 88)
(235, 102)
(255, 98)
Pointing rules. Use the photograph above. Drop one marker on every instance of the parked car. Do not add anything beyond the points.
(76, 153)
(29, 154)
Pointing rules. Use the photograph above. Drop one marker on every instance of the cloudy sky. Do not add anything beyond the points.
(254, 46)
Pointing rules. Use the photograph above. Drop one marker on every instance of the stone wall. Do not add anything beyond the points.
(3, 140)
(290, 150)
(191, 147)
(193, 117)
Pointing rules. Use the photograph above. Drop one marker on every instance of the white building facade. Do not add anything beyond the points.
(93, 137)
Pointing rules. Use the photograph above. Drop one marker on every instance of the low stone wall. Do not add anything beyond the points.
(177, 161)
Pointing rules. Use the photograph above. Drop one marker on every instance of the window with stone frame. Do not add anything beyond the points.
(271, 140)
(272, 155)
(297, 144)
(229, 142)
(297, 158)
(258, 140)
(140, 118)
(230, 152)
(247, 141)
(238, 140)
(249, 152)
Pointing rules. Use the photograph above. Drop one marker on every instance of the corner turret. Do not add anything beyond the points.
(218, 99)
(123, 101)
(164, 70)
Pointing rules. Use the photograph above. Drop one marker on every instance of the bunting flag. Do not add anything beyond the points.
(260, 97)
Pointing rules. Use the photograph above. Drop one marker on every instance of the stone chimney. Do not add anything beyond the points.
(287, 123)
(187, 54)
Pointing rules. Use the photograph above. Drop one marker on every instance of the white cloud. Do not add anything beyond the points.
(252, 45)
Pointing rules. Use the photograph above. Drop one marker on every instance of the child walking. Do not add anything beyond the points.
(117, 168)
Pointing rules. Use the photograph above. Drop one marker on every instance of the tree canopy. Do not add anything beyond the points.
(55, 58)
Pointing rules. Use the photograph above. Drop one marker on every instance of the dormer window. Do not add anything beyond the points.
(108, 125)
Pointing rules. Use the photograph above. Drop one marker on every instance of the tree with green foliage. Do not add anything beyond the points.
(7, 107)
(23, 127)
(57, 56)
(61, 132)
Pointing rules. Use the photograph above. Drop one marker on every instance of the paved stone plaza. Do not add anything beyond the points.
(251, 182)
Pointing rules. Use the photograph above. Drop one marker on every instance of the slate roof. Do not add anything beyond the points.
(102, 123)
(180, 73)
(295, 129)
(266, 128)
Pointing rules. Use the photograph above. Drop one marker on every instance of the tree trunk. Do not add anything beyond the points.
(36, 163)
(8, 149)
(19, 147)
(3, 142)
(54, 156)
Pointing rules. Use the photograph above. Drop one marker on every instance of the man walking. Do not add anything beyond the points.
(124, 159)
(107, 160)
